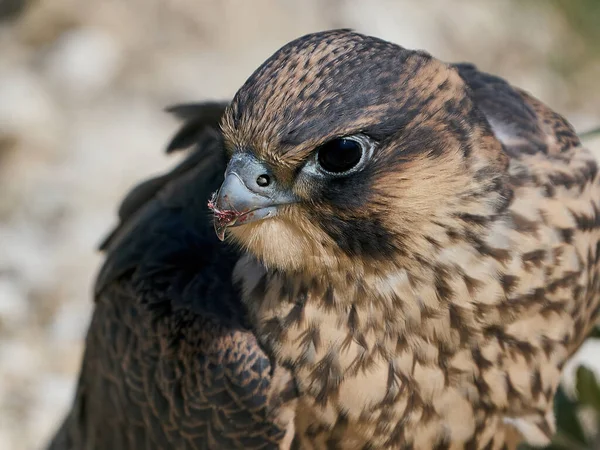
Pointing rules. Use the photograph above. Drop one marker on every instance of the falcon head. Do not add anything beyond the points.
(349, 153)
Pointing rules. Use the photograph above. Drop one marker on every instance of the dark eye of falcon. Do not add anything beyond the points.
(339, 155)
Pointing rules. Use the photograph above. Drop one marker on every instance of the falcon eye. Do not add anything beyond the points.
(339, 155)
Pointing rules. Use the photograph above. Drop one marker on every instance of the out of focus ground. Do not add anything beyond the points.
(82, 88)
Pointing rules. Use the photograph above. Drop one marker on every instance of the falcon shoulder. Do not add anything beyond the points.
(552, 282)
(521, 122)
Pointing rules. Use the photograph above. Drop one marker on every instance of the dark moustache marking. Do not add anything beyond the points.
(363, 236)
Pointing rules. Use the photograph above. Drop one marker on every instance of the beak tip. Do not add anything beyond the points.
(220, 232)
(219, 217)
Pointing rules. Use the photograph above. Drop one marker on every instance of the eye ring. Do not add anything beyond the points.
(342, 155)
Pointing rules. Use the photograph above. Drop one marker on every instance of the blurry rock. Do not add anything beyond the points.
(53, 393)
(27, 111)
(70, 321)
(83, 62)
(14, 308)
(10, 9)
(19, 360)
(44, 21)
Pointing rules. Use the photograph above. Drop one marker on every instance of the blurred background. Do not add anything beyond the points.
(83, 85)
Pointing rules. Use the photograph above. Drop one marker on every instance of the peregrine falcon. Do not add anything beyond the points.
(366, 248)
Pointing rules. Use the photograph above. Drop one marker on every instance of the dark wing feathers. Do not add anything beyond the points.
(170, 361)
(198, 117)
(198, 131)
(522, 123)
(159, 196)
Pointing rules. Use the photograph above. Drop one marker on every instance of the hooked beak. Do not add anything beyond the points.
(249, 193)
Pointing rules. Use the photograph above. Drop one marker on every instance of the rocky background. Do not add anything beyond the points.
(83, 84)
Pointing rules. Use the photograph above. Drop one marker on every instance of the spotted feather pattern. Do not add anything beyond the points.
(429, 301)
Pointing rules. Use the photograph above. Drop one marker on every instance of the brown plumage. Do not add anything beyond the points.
(411, 257)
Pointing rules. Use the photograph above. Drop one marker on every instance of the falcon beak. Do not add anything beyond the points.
(249, 193)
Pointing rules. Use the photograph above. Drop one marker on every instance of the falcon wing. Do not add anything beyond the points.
(555, 220)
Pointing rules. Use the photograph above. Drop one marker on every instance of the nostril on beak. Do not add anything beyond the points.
(263, 180)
